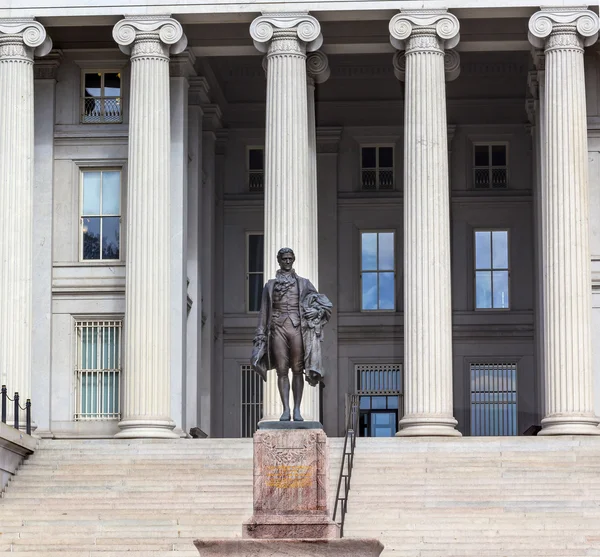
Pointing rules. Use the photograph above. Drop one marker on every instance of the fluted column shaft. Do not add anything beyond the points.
(290, 210)
(427, 282)
(566, 273)
(146, 411)
(19, 40)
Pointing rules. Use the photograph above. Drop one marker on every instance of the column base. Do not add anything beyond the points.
(570, 425)
(427, 426)
(140, 428)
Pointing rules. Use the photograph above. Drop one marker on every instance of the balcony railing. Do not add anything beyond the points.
(377, 179)
(490, 177)
(101, 110)
(256, 181)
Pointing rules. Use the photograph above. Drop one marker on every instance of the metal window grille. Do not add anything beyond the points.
(493, 399)
(491, 176)
(379, 379)
(378, 177)
(252, 400)
(98, 370)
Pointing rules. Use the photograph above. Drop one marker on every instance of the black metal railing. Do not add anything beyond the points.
(341, 498)
(16, 408)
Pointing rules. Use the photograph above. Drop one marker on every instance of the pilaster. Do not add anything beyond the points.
(148, 317)
(20, 40)
(425, 36)
(566, 275)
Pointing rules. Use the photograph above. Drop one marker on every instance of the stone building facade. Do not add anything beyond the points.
(437, 172)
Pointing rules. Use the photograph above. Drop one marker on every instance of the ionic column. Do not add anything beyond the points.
(289, 211)
(425, 35)
(566, 274)
(147, 392)
(20, 39)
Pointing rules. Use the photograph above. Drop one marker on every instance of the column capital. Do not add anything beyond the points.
(317, 66)
(21, 39)
(303, 26)
(165, 31)
(427, 24)
(563, 28)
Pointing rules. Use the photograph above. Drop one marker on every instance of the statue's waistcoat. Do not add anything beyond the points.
(286, 305)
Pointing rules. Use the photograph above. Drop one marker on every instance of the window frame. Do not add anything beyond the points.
(395, 271)
(102, 71)
(99, 320)
(81, 216)
(377, 168)
(254, 148)
(492, 269)
(247, 269)
(490, 167)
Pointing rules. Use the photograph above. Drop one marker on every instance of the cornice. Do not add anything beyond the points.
(305, 26)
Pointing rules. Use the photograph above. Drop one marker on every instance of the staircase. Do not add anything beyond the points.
(476, 497)
(140, 498)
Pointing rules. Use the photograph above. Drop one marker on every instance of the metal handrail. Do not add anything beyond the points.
(352, 414)
(16, 407)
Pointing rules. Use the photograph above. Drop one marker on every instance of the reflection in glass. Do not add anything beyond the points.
(255, 288)
(483, 250)
(500, 281)
(91, 193)
(483, 289)
(91, 237)
(500, 249)
(386, 251)
(378, 402)
(369, 251)
(369, 291)
(110, 237)
(111, 193)
(386, 291)
(256, 253)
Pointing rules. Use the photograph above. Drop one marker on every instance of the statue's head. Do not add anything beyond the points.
(286, 258)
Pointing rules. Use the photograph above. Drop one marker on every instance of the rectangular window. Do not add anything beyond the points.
(254, 274)
(100, 215)
(377, 271)
(380, 392)
(490, 166)
(493, 399)
(491, 269)
(252, 399)
(256, 169)
(101, 98)
(377, 167)
(98, 370)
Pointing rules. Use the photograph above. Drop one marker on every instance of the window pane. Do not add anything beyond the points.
(255, 288)
(369, 291)
(91, 238)
(483, 250)
(500, 249)
(111, 193)
(386, 291)
(498, 155)
(386, 251)
(386, 157)
(110, 237)
(392, 402)
(256, 159)
(368, 157)
(112, 85)
(93, 83)
(482, 157)
(91, 193)
(369, 251)
(255, 253)
(378, 403)
(483, 289)
(365, 402)
(501, 289)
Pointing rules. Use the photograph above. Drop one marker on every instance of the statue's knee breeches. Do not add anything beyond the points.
(287, 350)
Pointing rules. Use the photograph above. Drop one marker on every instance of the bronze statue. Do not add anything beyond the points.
(289, 333)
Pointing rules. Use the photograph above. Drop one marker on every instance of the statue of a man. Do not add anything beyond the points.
(289, 333)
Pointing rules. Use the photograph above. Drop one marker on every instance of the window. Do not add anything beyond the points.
(256, 169)
(254, 273)
(101, 98)
(378, 277)
(252, 397)
(490, 166)
(380, 402)
(98, 370)
(100, 214)
(491, 269)
(493, 399)
(377, 168)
